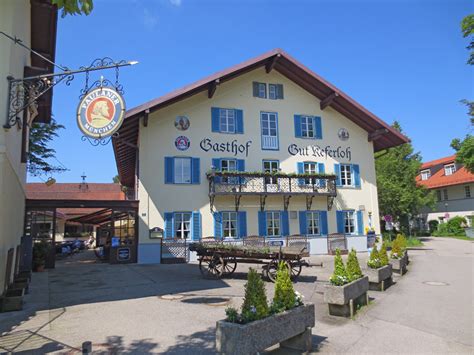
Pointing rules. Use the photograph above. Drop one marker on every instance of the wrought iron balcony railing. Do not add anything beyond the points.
(244, 183)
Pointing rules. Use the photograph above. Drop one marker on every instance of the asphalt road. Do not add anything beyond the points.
(125, 308)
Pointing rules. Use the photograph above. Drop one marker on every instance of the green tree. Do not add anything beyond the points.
(383, 255)
(255, 304)
(374, 261)
(74, 7)
(39, 151)
(467, 28)
(465, 152)
(339, 276)
(116, 179)
(399, 194)
(353, 268)
(285, 297)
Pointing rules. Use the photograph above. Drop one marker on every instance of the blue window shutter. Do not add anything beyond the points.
(321, 170)
(360, 223)
(216, 163)
(169, 170)
(215, 119)
(239, 121)
(285, 223)
(196, 228)
(242, 222)
(262, 223)
(241, 167)
(356, 172)
(298, 126)
(337, 172)
(323, 221)
(319, 130)
(340, 221)
(217, 225)
(168, 225)
(302, 216)
(300, 170)
(196, 171)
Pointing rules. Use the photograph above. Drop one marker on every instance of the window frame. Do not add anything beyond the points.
(306, 121)
(310, 181)
(445, 195)
(175, 175)
(227, 118)
(425, 174)
(346, 178)
(467, 191)
(182, 228)
(273, 226)
(226, 179)
(269, 116)
(310, 231)
(439, 195)
(228, 222)
(349, 225)
(259, 91)
(269, 180)
(275, 88)
(451, 168)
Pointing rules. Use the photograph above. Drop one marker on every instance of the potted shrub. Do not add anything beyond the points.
(348, 287)
(40, 253)
(379, 270)
(397, 257)
(258, 326)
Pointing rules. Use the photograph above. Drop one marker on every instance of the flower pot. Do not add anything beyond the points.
(12, 300)
(343, 300)
(379, 279)
(399, 266)
(39, 268)
(291, 329)
(405, 255)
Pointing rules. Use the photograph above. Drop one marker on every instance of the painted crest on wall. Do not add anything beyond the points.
(100, 113)
(182, 143)
(343, 134)
(182, 123)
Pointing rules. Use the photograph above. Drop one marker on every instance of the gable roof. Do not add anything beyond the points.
(438, 178)
(282, 62)
(71, 191)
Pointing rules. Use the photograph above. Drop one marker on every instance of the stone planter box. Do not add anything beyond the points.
(343, 300)
(291, 329)
(12, 300)
(379, 279)
(399, 265)
(405, 256)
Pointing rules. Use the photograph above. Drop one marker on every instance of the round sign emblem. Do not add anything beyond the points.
(343, 134)
(100, 112)
(182, 143)
(182, 123)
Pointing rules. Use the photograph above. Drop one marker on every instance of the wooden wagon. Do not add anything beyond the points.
(219, 259)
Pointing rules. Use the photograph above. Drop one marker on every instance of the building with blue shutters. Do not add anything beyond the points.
(265, 148)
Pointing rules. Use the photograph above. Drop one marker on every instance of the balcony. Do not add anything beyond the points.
(238, 184)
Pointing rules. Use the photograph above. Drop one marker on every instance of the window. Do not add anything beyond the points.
(438, 195)
(346, 175)
(425, 174)
(349, 222)
(228, 165)
(182, 225)
(273, 224)
(227, 120)
(182, 170)
(272, 92)
(449, 169)
(445, 194)
(271, 166)
(307, 127)
(262, 90)
(269, 130)
(467, 191)
(310, 168)
(312, 223)
(229, 224)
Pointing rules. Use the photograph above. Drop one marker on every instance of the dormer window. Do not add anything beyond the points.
(449, 169)
(425, 174)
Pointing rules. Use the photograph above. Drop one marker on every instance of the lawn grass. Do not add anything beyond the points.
(411, 242)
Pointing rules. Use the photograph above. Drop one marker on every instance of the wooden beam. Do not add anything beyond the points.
(212, 88)
(145, 118)
(376, 134)
(121, 140)
(269, 66)
(328, 100)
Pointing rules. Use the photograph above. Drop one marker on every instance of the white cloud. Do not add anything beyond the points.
(175, 2)
(150, 20)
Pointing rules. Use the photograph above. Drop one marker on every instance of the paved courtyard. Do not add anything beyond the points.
(128, 308)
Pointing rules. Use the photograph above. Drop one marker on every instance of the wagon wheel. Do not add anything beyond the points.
(230, 264)
(272, 269)
(211, 267)
(295, 268)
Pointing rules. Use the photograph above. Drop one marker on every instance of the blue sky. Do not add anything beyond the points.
(403, 60)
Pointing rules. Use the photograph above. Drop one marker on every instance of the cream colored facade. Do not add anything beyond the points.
(157, 141)
(15, 20)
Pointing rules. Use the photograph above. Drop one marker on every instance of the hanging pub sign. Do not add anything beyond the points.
(100, 112)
